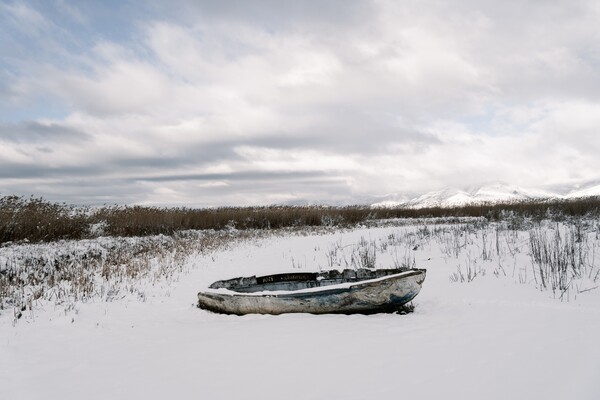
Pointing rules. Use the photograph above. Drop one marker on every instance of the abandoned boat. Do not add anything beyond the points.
(344, 292)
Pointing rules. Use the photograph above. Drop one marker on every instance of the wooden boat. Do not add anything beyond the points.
(346, 292)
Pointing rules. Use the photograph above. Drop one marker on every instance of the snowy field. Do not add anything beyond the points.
(491, 322)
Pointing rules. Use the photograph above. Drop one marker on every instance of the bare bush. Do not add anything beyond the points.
(472, 270)
(66, 273)
(560, 257)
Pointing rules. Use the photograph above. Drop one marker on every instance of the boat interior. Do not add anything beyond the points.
(302, 280)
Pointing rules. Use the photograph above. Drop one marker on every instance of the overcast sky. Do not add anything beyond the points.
(206, 103)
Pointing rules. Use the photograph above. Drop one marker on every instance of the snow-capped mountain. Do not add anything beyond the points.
(491, 193)
(387, 201)
(587, 191)
(449, 197)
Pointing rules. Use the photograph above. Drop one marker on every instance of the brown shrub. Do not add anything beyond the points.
(35, 219)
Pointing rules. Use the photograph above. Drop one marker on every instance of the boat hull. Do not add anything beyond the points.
(385, 294)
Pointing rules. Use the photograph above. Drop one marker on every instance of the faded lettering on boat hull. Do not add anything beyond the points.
(375, 295)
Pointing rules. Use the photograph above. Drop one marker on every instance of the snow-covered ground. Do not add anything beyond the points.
(498, 336)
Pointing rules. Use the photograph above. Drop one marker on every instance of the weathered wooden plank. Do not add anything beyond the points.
(348, 291)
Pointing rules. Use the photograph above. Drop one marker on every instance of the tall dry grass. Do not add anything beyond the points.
(37, 220)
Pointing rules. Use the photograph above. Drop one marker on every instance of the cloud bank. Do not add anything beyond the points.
(238, 103)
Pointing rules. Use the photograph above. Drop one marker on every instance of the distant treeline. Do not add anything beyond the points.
(35, 219)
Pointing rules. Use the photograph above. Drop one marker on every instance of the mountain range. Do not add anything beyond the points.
(489, 193)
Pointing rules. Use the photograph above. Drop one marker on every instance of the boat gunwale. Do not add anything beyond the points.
(320, 290)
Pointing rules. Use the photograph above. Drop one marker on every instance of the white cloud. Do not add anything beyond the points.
(294, 160)
(390, 96)
(25, 18)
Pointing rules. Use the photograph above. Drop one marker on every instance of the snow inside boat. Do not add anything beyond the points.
(343, 292)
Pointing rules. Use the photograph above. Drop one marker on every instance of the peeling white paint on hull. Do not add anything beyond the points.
(346, 292)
